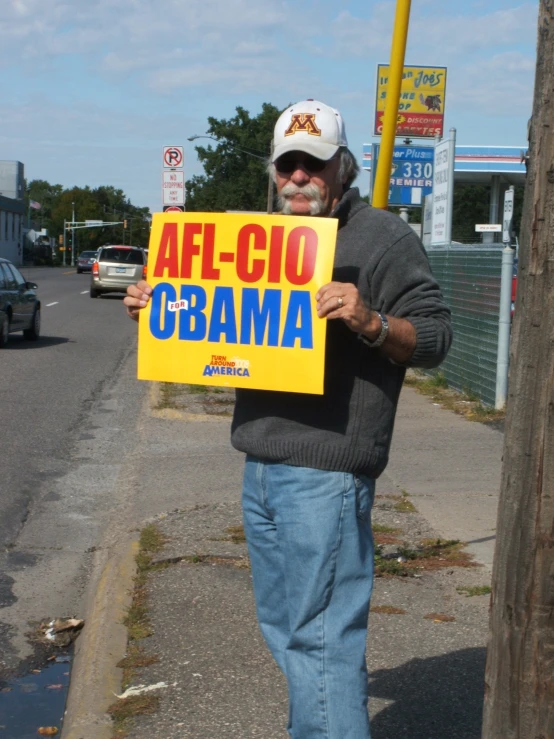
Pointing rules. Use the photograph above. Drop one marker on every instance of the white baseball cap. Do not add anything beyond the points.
(311, 127)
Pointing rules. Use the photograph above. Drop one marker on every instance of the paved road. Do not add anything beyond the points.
(48, 391)
(46, 387)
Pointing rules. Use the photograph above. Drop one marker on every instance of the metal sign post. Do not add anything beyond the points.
(508, 215)
(504, 328)
(173, 178)
(443, 189)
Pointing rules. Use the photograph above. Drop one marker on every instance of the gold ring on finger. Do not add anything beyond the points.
(340, 302)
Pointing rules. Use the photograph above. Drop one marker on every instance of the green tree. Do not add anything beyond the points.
(86, 207)
(104, 203)
(46, 195)
(117, 207)
(233, 178)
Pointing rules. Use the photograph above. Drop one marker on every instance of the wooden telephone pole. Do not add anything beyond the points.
(519, 682)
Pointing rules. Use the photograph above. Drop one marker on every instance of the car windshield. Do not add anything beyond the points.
(87, 254)
(128, 256)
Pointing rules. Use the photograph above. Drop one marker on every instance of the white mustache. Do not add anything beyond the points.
(309, 190)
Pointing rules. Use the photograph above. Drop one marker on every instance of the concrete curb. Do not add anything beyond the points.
(95, 678)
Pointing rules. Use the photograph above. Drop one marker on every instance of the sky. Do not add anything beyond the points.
(93, 89)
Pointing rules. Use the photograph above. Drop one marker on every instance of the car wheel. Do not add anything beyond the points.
(94, 293)
(79, 271)
(4, 329)
(33, 332)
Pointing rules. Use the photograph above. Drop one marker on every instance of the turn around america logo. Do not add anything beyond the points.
(220, 365)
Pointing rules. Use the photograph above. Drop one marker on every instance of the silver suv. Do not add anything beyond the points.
(115, 268)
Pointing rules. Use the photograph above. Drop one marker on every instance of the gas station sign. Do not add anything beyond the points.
(422, 97)
(411, 175)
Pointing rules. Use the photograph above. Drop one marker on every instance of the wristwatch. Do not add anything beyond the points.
(382, 334)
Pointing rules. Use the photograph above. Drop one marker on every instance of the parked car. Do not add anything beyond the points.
(85, 261)
(117, 267)
(19, 304)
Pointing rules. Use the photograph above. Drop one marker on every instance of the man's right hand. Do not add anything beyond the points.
(137, 298)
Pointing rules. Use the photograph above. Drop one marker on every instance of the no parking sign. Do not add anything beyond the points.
(173, 157)
(173, 177)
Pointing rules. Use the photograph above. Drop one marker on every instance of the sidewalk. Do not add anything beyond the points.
(426, 646)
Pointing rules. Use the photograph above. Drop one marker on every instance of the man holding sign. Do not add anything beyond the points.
(312, 460)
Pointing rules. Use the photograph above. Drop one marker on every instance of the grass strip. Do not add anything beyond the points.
(137, 621)
(466, 403)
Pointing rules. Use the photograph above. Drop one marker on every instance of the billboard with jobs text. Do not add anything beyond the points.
(422, 98)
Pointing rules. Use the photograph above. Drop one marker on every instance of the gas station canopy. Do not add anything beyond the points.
(479, 165)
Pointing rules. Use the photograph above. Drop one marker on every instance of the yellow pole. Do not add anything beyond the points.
(396, 69)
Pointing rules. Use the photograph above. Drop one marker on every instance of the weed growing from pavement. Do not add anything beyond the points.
(379, 528)
(465, 403)
(403, 505)
(430, 554)
(215, 401)
(438, 380)
(439, 617)
(135, 659)
(236, 533)
(388, 610)
(470, 395)
(123, 711)
(169, 392)
(242, 563)
(469, 592)
(385, 534)
(136, 620)
(386, 539)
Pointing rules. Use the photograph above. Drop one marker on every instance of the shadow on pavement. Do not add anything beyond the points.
(434, 698)
(18, 342)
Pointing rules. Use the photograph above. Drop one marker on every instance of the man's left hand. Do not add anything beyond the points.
(342, 300)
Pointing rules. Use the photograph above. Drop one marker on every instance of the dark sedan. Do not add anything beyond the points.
(85, 261)
(19, 304)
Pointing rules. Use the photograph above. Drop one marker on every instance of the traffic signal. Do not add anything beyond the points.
(60, 239)
(125, 224)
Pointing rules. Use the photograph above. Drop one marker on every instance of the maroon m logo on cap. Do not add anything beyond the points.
(303, 122)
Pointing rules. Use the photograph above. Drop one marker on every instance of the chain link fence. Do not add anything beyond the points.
(470, 278)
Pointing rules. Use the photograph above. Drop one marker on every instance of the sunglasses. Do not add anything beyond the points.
(287, 164)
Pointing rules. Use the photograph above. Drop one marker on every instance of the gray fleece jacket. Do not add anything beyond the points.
(349, 427)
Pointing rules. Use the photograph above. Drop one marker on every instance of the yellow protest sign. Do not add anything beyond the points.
(234, 300)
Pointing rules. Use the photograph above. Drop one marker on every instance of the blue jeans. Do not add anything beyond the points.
(311, 550)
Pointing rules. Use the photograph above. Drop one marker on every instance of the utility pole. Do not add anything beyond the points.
(73, 235)
(390, 120)
(270, 192)
(519, 681)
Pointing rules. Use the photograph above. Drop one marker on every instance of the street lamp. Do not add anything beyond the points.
(245, 151)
